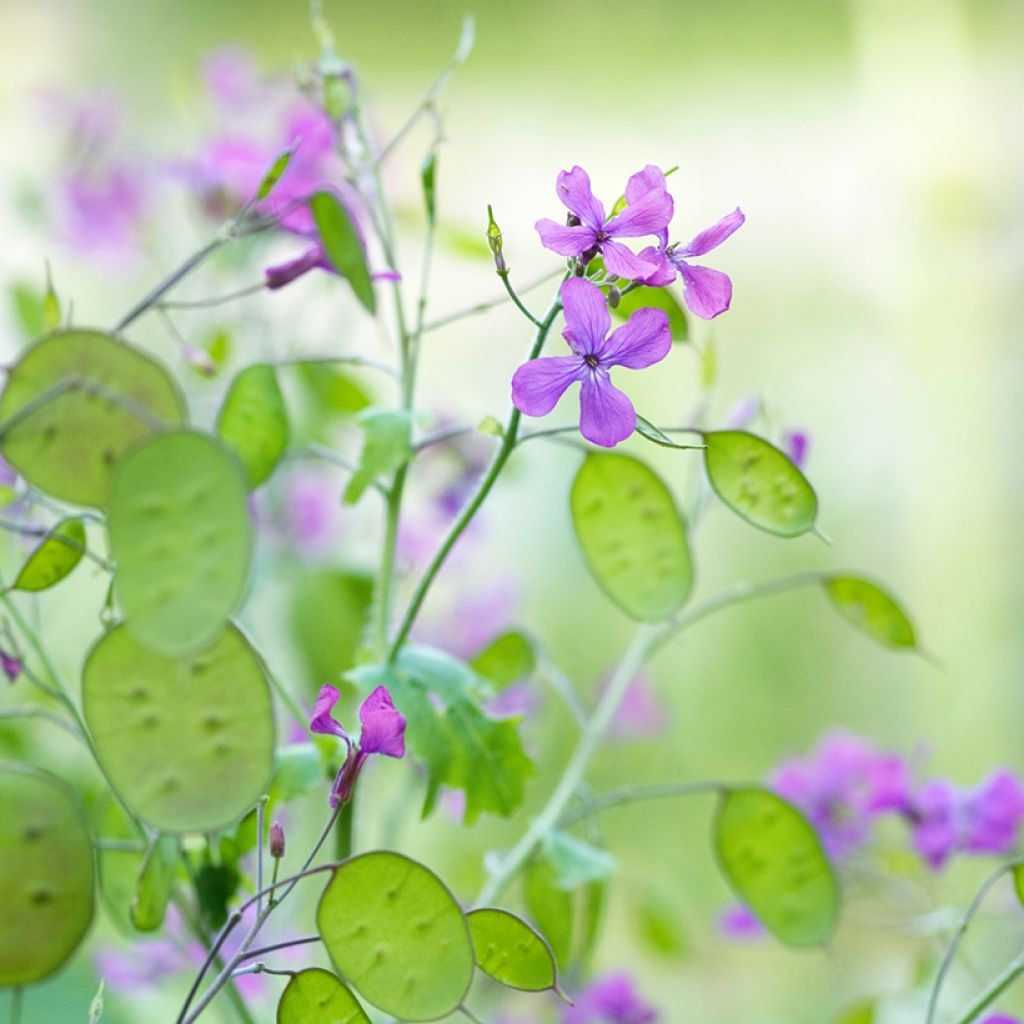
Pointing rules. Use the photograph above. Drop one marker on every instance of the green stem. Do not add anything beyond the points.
(487, 304)
(575, 770)
(291, 704)
(634, 794)
(469, 510)
(515, 298)
(343, 830)
(16, 1000)
(1013, 970)
(42, 713)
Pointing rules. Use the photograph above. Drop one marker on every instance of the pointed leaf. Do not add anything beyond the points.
(385, 448)
(759, 483)
(274, 172)
(511, 951)
(507, 659)
(343, 245)
(645, 428)
(154, 884)
(315, 996)
(773, 860)
(872, 609)
(254, 422)
(181, 537)
(395, 931)
(632, 536)
(59, 553)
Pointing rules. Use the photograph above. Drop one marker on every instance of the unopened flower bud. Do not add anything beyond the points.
(199, 361)
(494, 242)
(10, 665)
(613, 296)
(277, 840)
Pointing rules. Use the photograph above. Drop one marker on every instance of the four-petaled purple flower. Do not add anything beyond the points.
(610, 1000)
(590, 232)
(383, 732)
(607, 416)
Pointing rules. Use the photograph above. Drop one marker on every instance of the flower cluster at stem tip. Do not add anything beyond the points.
(607, 415)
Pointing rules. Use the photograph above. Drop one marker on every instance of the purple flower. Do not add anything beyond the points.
(383, 732)
(1000, 1018)
(10, 665)
(589, 232)
(796, 444)
(740, 924)
(606, 415)
(641, 712)
(610, 1000)
(842, 787)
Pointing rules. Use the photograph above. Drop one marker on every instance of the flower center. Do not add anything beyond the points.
(591, 360)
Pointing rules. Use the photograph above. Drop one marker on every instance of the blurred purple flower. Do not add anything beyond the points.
(312, 510)
(641, 712)
(610, 1000)
(740, 924)
(1000, 1018)
(231, 77)
(607, 415)
(743, 413)
(383, 732)
(10, 665)
(796, 444)
(842, 787)
(589, 232)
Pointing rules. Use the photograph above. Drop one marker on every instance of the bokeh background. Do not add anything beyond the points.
(876, 149)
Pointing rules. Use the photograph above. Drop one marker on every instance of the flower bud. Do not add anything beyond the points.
(494, 242)
(613, 296)
(277, 840)
(10, 665)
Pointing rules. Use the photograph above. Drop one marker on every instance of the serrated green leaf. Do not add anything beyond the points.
(774, 862)
(343, 246)
(552, 909)
(163, 728)
(645, 428)
(58, 554)
(181, 536)
(576, 862)
(315, 996)
(47, 888)
(507, 659)
(447, 731)
(274, 173)
(632, 536)
(74, 404)
(759, 483)
(385, 448)
(511, 951)
(254, 421)
(154, 884)
(394, 930)
(870, 608)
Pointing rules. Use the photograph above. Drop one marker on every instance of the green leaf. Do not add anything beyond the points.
(154, 884)
(28, 309)
(254, 422)
(315, 996)
(216, 885)
(164, 728)
(274, 173)
(395, 931)
(552, 909)
(645, 428)
(871, 609)
(459, 745)
(58, 554)
(181, 537)
(575, 862)
(632, 536)
(1018, 883)
(862, 1013)
(759, 483)
(491, 427)
(511, 951)
(47, 874)
(428, 173)
(335, 392)
(507, 659)
(51, 304)
(118, 868)
(298, 770)
(328, 613)
(656, 298)
(385, 448)
(343, 246)
(74, 403)
(774, 862)
(593, 896)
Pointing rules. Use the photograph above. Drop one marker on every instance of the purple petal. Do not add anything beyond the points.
(607, 415)
(281, 274)
(622, 262)
(665, 272)
(712, 237)
(706, 292)
(322, 720)
(796, 443)
(383, 726)
(644, 339)
(386, 275)
(539, 384)
(650, 179)
(587, 320)
(574, 190)
(647, 216)
(564, 240)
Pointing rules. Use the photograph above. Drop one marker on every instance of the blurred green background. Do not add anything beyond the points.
(876, 149)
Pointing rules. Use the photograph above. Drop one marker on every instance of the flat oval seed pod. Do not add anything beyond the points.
(74, 403)
(47, 874)
(870, 608)
(254, 422)
(316, 996)
(167, 729)
(510, 951)
(58, 554)
(394, 930)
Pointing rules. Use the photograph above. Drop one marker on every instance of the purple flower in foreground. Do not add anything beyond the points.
(590, 232)
(383, 732)
(610, 1000)
(607, 416)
